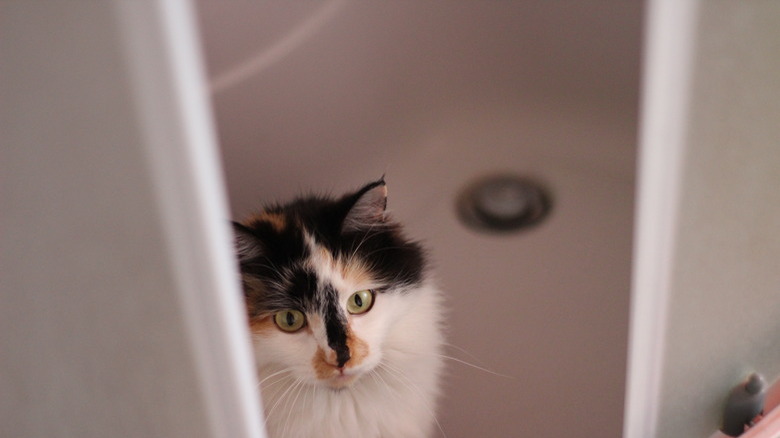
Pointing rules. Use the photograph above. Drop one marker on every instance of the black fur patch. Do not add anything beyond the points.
(335, 326)
(273, 258)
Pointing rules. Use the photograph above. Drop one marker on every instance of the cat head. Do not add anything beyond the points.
(324, 282)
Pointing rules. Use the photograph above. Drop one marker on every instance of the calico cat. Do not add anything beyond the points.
(345, 320)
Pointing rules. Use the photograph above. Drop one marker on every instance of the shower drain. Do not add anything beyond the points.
(501, 203)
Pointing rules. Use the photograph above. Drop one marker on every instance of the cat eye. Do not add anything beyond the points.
(360, 302)
(289, 320)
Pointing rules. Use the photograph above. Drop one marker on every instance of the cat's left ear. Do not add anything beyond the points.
(367, 207)
(246, 244)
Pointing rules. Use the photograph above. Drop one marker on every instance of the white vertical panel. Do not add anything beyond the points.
(706, 307)
(119, 309)
(668, 58)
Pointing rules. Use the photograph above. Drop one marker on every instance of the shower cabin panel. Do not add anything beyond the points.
(119, 311)
(706, 304)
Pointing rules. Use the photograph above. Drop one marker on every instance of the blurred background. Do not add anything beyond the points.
(326, 96)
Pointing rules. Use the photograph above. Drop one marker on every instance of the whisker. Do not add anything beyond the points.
(384, 248)
(376, 379)
(301, 386)
(269, 396)
(461, 361)
(363, 240)
(267, 387)
(401, 378)
(281, 397)
(464, 362)
(306, 394)
(312, 389)
(397, 394)
(284, 370)
(462, 350)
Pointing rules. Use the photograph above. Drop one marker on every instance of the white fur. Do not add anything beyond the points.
(398, 385)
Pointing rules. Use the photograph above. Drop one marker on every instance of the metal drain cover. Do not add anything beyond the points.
(501, 203)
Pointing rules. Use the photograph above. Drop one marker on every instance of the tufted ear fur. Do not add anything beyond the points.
(246, 243)
(367, 207)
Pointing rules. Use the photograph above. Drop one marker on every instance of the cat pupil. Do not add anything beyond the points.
(358, 301)
(290, 319)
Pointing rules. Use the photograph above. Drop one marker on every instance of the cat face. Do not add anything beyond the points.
(324, 281)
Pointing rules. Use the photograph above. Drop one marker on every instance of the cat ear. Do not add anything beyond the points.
(246, 243)
(367, 207)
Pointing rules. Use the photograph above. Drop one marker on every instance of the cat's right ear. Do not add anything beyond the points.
(246, 244)
(366, 207)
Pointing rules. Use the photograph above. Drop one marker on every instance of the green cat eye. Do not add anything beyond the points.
(360, 302)
(289, 320)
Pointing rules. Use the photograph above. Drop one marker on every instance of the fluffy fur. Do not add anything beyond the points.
(372, 374)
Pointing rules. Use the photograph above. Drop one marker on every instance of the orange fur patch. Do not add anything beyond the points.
(324, 363)
(358, 350)
(262, 326)
(326, 256)
(354, 271)
(277, 221)
(322, 368)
